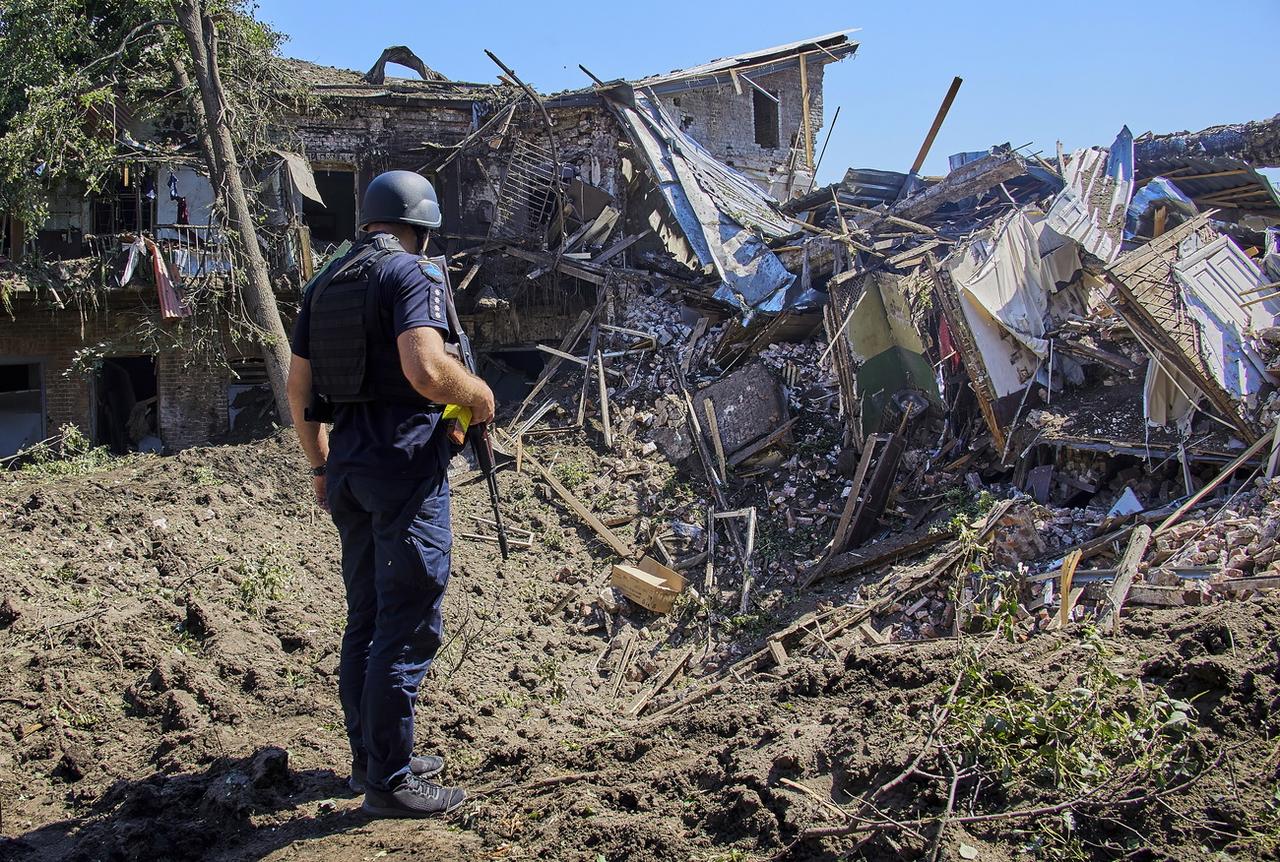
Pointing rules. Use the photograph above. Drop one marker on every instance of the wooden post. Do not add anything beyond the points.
(937, 124)
(1125, 573)
(1068, 572)
(716, 440)
(804, 109)
(586, 377)
(604, 401)
(1275, 454)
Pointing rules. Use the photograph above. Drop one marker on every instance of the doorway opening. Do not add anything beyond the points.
(21, 406)
(125, 402)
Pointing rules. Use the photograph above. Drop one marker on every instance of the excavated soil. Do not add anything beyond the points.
(168, 637)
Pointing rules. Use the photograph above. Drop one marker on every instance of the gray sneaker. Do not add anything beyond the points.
(415, 797)
(426, 766)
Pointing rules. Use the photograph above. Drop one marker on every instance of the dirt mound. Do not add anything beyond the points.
(168, 633)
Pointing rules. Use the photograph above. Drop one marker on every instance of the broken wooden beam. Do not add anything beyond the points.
(879, 554)
(566, 344)
(1239, 462)
(604, 402)
(1127, 569)
(608, 536)
(765, 442)
(663, 681)
(1069, 565)
(966, 181)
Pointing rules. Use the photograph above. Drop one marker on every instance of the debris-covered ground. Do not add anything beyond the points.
(906, 517)
(169, 628)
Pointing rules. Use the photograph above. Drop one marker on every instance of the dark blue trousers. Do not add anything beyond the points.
(396, 541)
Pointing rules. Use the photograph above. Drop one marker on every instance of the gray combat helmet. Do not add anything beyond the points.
(400, 196)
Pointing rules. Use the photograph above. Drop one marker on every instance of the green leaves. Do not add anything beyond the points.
(77, 79)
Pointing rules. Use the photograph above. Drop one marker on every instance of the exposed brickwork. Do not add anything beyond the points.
(390, 131)
(724, 122)
(191, 392)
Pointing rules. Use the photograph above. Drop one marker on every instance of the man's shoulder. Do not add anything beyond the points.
(401, 266)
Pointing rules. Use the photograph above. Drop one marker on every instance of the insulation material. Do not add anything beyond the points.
(1169, 397)
(1007, 279)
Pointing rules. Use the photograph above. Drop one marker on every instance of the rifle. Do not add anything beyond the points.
(477, 434)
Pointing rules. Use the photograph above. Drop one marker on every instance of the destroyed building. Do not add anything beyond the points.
(97, 342)
(1096, 330)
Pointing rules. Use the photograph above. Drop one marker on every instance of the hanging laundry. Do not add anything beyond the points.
(184, 216)
(136, 250)
(173, 186)
(149, 186)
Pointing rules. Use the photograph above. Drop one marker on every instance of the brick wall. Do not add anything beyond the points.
(191, 390)
(723, 121)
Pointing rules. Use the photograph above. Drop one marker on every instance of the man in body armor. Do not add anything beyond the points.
(369, 355)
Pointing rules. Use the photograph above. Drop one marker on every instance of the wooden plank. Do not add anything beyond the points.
(466, 279)
(586, 378)
(607, 536)
(778, 652)
(716, 440)
(1208, 489)
(878, 555)
(663, 681)
(752, 449)
(1127, 569)
(699, 329)
(879, 486)
(937, 124)
(1274, 461)
(624, 663)
(620, 246)
(871, 635)
(1064, 587)
(604, 402)
(566, 344)
(841, 536)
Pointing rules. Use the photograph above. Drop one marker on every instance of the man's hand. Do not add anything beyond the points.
(482, 408)
(320, 488)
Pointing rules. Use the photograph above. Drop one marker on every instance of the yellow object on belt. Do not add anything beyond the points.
(461, 417)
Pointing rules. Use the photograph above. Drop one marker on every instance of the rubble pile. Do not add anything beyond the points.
(905, 354)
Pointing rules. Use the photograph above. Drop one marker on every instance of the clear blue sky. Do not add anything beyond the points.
(1033, 71)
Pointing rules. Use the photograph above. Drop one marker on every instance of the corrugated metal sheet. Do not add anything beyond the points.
(721, 213)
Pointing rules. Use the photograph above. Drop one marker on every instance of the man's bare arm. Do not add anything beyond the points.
(438, 376)
(313, 436)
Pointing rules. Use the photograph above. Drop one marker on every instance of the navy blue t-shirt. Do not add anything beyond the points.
(383, 438)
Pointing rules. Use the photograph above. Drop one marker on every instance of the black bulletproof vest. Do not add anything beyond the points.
(351, 359)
